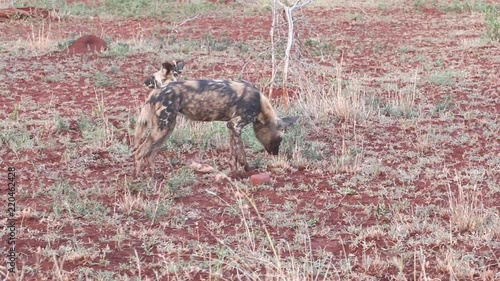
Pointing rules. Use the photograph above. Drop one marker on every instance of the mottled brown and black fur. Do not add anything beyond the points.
(168, 72)
(237, 102)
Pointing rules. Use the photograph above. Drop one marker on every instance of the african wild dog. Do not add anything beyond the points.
(167, 73)
(238, 102)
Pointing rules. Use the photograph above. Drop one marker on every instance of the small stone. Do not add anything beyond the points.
(259, 179)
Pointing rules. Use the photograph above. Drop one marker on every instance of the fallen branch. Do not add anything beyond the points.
(27, 12)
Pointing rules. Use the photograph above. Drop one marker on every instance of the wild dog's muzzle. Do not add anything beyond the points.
(152, 83)
(274, 147)
(274, 150)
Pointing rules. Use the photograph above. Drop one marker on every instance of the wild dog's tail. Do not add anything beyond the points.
(146, 120)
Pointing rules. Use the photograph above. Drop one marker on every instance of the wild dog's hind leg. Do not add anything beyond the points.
(237, 147)
(147, 118)
(154, 141)
(139, 133)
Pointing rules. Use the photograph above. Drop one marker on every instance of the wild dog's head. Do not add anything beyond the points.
(271, 133)
(168, 73)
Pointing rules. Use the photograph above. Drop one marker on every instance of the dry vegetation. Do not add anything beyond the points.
(392, 173)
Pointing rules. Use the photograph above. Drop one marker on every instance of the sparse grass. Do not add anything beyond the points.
(468, 6)
(491, 13)
(217, 44)
(179, 183)
(190, 135)
(419, 4)
(301, 151)
(320, 47)
(66, 199)
(101, 79)
(467, 213)
(349, 105)
(119, 49)
(246, 259)
(63, 45)
(348, 159)
(62, 124)
(402, 102)
(122, 8)
(444, 105)
(41, 37)
(16, 136)
(344, 100)
(54, 77)
(492, 17)
(443, 78)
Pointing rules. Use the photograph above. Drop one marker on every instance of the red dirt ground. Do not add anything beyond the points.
(366, 48)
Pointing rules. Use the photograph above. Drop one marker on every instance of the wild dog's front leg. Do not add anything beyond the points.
(237, 147)
(241, 156)
(233, 162)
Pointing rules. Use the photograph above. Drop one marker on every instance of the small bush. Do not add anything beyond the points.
(492, 17)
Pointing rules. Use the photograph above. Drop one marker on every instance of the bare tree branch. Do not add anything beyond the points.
(273, 54)
(288, 9)
(185, 21)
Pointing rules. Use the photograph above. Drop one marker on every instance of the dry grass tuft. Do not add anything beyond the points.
(42, 37)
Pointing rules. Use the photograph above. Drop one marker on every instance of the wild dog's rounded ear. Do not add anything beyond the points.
(179, 65)
(288, 121)
(167, 66)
